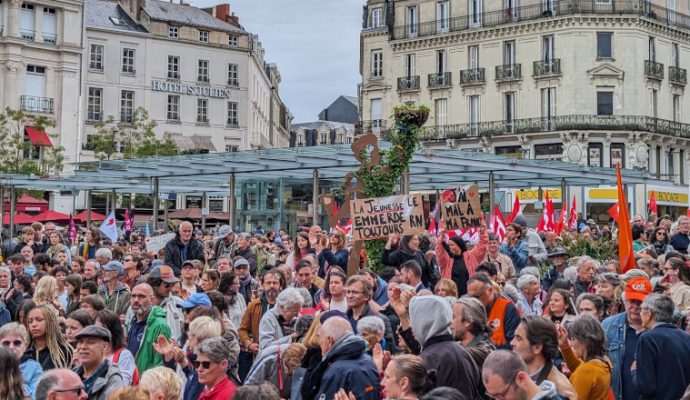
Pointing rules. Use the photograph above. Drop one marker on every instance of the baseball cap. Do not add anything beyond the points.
(241, 262)
(223, 231)
(195, 300)
(94, 331)
(165, 273)
(637, 289)
(115, 266)
(520, 220)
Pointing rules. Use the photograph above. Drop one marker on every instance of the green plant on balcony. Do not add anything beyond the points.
(19, 155)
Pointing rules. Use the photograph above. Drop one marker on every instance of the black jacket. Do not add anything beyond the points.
(174, 249)
(663, 356)
(454, 365)
(395, 258)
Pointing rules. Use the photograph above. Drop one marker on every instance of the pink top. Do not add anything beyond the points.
(472, 257)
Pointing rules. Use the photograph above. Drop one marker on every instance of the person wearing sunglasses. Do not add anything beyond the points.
(101, 378)
(15, 337)
(61, 384)
(161, 279)
(212, 358)
(506, 377)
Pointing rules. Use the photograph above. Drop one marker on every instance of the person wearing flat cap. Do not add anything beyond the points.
(100, 377)
(114, 293)
(558, 258)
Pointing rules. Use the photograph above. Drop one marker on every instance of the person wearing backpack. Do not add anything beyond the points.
(117, 352)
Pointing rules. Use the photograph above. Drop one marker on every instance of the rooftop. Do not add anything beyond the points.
(185, 14)
(109, 15)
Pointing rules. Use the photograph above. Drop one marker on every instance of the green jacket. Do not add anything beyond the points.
(156, 325)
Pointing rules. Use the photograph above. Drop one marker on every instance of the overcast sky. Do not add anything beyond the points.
(315, 44)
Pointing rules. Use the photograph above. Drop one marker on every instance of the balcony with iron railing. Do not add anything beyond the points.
(203, 79)
(654, 70)
(509, 72)
(555, 124)
(27, 34)
(676, 75)
(376, 126)
(408, 84)
(37, 104)
(544, 10)
(440, 80)
(472, 76)
(547, 68)
(49, 38)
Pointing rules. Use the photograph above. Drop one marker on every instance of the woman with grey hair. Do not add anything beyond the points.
(213, 356)
(372, 329)
(585, 355)
(277, 324)
(529, 290)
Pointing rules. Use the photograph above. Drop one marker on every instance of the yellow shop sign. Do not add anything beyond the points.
(533, 195)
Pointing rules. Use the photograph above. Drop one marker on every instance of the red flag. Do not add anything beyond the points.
(561, 218)
(516, 210)
(72, 228)
(550, 213)
(546, 223)
(497, 224)
(572, 217)
(626, 253)
(613, 212)
(652, 203)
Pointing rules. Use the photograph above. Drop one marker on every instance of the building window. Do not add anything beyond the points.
(173, 108)
(604, 45)
(548, 106)
(652, 48)
(376, 18)
(376, 115)
(553, 151)
(410, 65)
(174, 32)
(174, 67)
(604, 102)
(617, 154)
(203, 36)
(676, 108)
(128, 61)
(95, 104)
(232, 41)
(49, 26)
(323, 137)
(509, 52)
(231, 148)
(548, 48)
(675, 55)
(377, 63)
(300, 139)
(202, 111)
(233, 112)
(96, 58)
(653, 103)
(443, 16)
(126, 106)
(473, 56)
(341, 138)
(474, 114)
(202, 71)
(475, 13)
(411, 21)
(441, 111)
(233, 73)
(594, 155)
(509, 109)
(27, 21)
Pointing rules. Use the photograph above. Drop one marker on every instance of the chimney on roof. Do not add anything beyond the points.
(235, 20)
(222, 12)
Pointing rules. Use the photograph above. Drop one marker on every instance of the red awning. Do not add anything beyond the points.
(19, 219)
(37, 137)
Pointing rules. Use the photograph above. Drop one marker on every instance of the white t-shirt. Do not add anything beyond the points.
(339, 305)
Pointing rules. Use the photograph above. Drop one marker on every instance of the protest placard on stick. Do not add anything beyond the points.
(461, 207)
(380, 217)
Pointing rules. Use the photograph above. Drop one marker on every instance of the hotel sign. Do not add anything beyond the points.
(192, 90)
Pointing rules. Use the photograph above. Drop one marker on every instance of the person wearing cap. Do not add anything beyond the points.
(558, 258)
(114, 293)
(100, 377)
(663, 352)
(622, 332)
(183, 247)
(161, 279)
(194, 301)
(537, 251)
(224, 245)
(190, 276)
(247, 283)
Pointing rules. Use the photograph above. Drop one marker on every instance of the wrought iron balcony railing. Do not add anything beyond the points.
(654, 70)
(376, 126)
(37, 104)
(508, 72)
(677, 75)
(27, 34)
(440, 80)
(473, 76)
(408, 83)
(49, 38)
(560, 123)
(545, 68)
(544, 10)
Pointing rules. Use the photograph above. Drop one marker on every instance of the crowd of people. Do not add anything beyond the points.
(266, 315)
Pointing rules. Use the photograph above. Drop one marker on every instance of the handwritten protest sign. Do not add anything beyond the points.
(155, 243)
(461, 207)
(380, 217)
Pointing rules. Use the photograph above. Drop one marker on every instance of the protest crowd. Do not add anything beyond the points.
(505, 312)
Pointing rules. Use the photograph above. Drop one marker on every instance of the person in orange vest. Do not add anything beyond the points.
(504, 317)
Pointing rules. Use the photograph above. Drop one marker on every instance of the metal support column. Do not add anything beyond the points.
(204, 207)
(113, 202)
(315, 196)
(405, 182)
(13, 209)
(88, 209)
(232, 207)
(166, 208)
(156, 201)
(492, 192)
(564, 191)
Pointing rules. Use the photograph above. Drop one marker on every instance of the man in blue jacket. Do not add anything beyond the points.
(663, 352)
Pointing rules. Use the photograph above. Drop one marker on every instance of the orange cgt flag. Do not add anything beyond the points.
(626, 254)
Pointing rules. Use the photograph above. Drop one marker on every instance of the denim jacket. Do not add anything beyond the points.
(615, 327)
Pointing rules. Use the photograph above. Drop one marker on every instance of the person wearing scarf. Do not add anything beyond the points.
(408, 250)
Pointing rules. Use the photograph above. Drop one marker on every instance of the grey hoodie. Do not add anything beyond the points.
(430, 316)
(548, 392)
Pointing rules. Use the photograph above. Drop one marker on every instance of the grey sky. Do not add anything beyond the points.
(315, 44)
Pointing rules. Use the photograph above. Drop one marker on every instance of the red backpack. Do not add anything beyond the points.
(135, 375)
